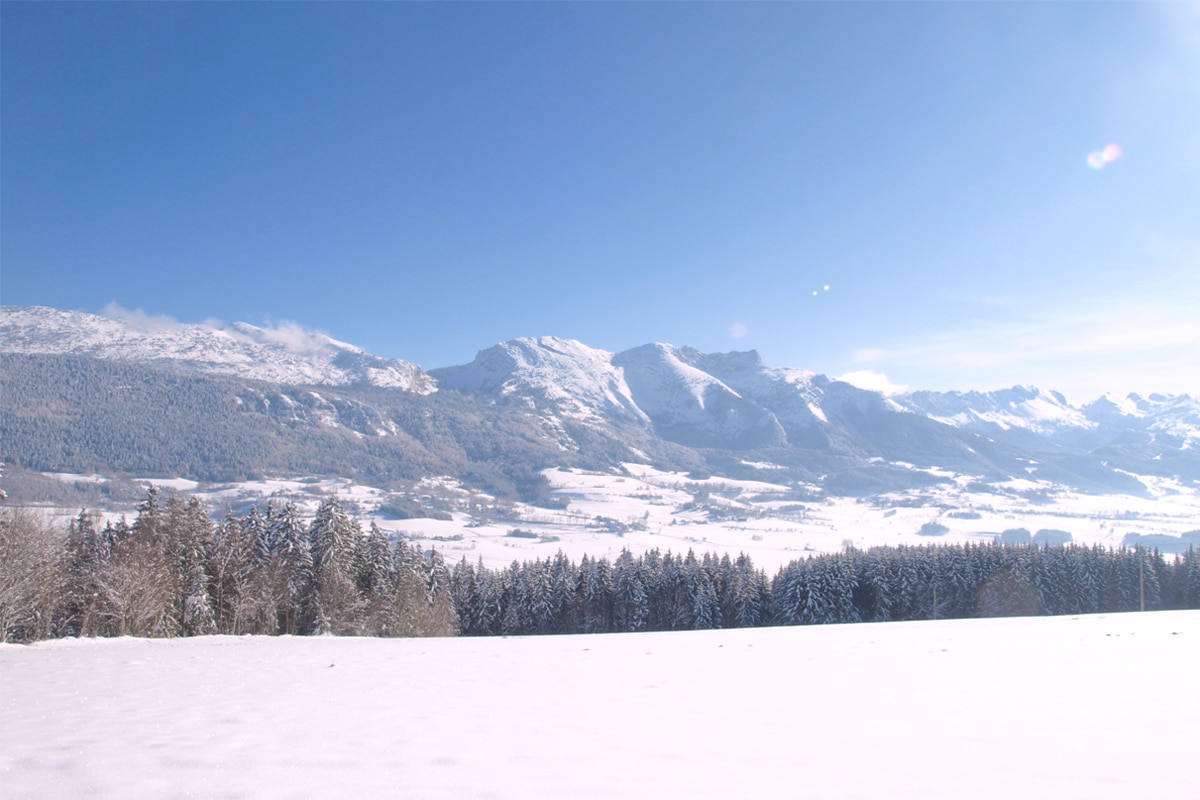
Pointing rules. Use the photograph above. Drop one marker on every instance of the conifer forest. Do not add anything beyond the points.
(173, 571)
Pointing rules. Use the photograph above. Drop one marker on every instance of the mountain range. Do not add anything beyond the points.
(87, 393)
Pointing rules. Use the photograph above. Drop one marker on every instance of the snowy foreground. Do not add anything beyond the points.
(1099, 706)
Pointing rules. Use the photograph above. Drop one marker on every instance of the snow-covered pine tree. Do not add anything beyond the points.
(194, 539)
(266, 588)
(486, 609)
(87, 562)
(333, 538)
(596, 590)
(259, 534)
(706, 609)
(629, 594)
(293, 569)
(440, 617)
(1189, 582)
(231, 560)
(463, 586)
(149, 516)
(538, 597)
(564, 579)
(374, 566)
(749, 595)
(409, 594)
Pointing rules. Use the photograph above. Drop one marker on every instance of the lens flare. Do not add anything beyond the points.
(1099, 159)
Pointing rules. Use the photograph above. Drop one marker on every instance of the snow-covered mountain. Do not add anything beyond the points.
(1019, 407)
(531, 403)
(1174, 419)
(564, 375)
(732, 402)
(286, 354)
(727, 401)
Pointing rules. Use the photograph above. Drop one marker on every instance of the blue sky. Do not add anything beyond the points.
(424, 180)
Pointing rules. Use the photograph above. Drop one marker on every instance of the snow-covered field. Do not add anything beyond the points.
(1086, 707)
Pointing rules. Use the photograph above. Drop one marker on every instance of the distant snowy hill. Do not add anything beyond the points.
(1173, 419)
(286, 354)
(1019, 407)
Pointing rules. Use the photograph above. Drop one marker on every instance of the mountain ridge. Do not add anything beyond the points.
(561, 402)
(284, 354)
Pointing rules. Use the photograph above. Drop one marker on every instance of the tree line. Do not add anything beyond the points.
(661, 591)
(173, 571)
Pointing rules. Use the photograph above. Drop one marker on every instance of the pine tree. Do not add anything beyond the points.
(486, 611)
(231, 559)
(374, 565)
(749, 595)
(292, 569)
(409, 594)
(146, 526)
(333, 538)
(1189, 582)
(630, 606)
(564, 578)
(335, 601)
(464, 588)
(441, 619)
(87, 562)
(595, 592)
(194, 539)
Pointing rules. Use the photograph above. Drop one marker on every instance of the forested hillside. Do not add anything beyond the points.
(71, 414)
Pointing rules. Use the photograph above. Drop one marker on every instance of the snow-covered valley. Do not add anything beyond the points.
(1053, 707)
(639, 508)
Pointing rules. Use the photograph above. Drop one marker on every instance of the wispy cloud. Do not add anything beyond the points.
(1147, 345)
(295, 338)
(139, 319)
(873, 381)
(291, 336)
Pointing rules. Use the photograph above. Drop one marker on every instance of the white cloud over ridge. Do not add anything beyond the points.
(1136, 345)
(872, 381)
(139, 319)
(295, 338)
(291, 336)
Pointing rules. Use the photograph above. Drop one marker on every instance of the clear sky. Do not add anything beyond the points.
(425, 180)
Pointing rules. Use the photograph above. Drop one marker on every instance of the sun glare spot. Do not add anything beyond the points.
(1099, 159)
(738, 330)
